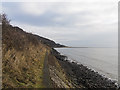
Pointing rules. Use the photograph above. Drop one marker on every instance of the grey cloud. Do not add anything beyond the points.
(75, 24)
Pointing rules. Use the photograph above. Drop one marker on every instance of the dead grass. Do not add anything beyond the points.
(24, 68)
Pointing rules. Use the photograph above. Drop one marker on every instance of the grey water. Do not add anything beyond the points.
(102, 60)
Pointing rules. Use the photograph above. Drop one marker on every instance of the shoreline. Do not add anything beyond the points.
(104, 76)
(81, 74)
(70, 60)
(84, 47)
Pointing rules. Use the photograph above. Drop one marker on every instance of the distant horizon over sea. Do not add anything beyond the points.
(102, 59)
(91, 47)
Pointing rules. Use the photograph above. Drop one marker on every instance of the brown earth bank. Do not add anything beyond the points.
(29, 61)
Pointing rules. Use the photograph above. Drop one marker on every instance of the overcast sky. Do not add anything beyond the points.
(82, 23)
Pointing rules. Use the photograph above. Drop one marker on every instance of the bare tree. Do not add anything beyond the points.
(5, 20)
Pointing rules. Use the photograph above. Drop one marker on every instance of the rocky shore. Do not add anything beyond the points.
(81, 75)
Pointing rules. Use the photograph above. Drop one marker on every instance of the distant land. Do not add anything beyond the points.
(83, 47)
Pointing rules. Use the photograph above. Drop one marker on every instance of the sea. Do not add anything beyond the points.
(102, 60)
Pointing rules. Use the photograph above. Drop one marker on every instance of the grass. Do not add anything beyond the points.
(39, 77)
(24, 68)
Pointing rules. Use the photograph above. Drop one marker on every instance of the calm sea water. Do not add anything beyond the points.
(102, 60)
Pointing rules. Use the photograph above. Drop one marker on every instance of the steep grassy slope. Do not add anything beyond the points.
(23, 68)
(28, 62)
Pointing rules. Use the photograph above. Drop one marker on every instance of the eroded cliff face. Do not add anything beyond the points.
(28, 63)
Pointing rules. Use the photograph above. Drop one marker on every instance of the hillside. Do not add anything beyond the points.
(28, 61)
(48, 42)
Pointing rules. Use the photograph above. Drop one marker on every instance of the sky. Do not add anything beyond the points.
(92, 23)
